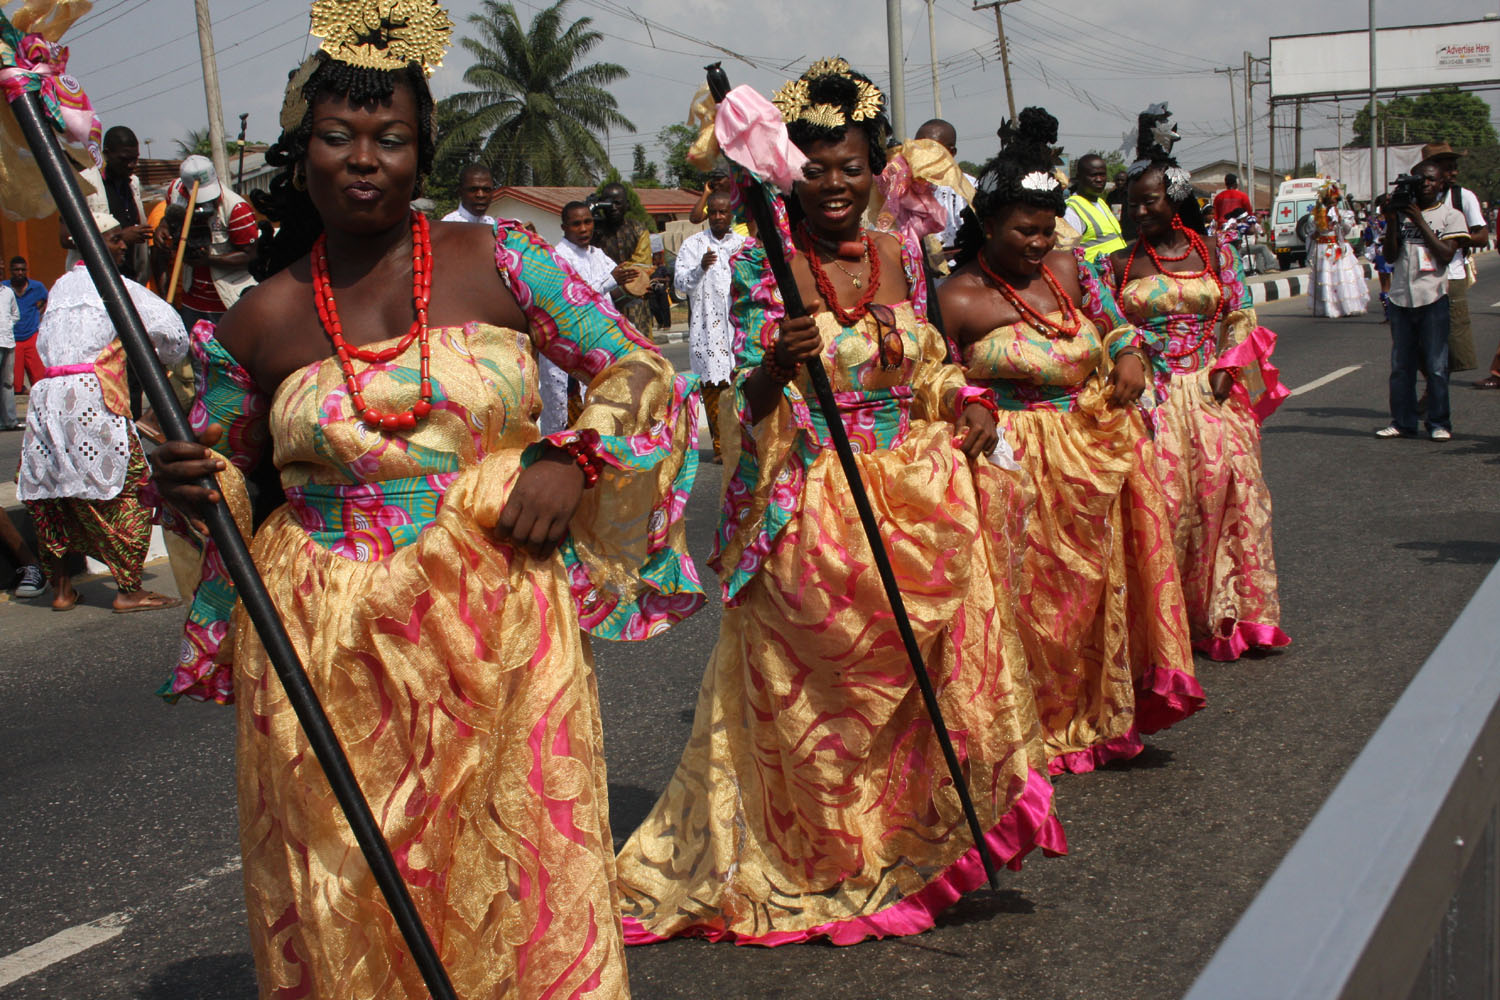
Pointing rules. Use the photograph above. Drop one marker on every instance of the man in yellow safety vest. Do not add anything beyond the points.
(1089, 213)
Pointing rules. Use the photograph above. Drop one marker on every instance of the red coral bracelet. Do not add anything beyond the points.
(779, 373)
(586, 461)
(987, 401)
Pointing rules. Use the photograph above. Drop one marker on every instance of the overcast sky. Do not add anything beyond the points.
(138, 60)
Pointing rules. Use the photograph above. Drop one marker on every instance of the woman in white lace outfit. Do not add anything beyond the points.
(81, 463)
(1339, 286)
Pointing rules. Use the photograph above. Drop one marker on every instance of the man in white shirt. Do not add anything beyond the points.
(10, 312)
(602, 275)
(703, 277)
(476, 189)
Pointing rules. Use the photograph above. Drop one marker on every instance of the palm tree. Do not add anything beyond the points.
(536, 109)
(196, 143)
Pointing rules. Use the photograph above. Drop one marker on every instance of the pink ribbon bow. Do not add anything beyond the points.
(41, 67)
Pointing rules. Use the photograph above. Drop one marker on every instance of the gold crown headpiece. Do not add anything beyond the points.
(383, 34)
(795, 103)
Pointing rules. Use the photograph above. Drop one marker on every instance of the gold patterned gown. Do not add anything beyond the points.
(1208, 452)
(455, 669)
(1101, 607)
(812, 799)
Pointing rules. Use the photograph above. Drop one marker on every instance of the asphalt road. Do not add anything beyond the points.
(117, 821)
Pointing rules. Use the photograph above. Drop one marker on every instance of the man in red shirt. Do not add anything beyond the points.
(1229, 199)
(218, 267)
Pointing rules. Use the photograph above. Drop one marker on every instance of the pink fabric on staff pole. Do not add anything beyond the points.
(751, 133)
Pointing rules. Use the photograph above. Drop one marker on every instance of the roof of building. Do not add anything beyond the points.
(656, 201)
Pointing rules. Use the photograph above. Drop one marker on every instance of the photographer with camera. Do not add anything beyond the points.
(628, 244)
(221, 232)
(1423, 233)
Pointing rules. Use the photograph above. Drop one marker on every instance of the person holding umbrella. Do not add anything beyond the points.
(811, 800)
(437, 562)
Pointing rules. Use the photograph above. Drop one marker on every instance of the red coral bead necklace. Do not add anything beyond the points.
(1195, 243)
(845, 317)
(1072, 320)
(421, 294)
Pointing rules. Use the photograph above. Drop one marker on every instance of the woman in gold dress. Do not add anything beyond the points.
(812, 800)
(1193, 299)
(1100, 604)
(437, 563)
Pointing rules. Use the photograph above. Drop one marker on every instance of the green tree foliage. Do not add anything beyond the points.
(676, 139)
(452, 157)
(643, 172)
(1445, 114)
(535, 107)
(196, 143)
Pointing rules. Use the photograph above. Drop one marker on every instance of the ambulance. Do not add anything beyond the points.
(1294, 200)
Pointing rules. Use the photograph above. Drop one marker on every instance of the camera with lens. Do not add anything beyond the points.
(598, 208)
(1404, 191)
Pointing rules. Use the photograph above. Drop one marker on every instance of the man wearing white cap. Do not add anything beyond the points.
(218, 274)
(82, 466)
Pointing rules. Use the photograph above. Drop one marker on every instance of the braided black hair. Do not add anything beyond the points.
(287, 203)
(1025, 149)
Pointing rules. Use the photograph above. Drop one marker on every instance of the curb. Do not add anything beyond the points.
(665, 337)
(1291, 287)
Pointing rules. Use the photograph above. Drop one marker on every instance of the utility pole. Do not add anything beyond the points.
(1234, 118)
(1010, 94)
(895, 43)
(1249, 132)
(211, 92)
(1297, 140)
(1374, 108)
(937, 95)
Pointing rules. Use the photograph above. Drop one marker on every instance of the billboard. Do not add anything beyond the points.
(1464, 53)
(1351, 167)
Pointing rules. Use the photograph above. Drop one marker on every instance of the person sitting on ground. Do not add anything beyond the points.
(82, 467)
(30, 581)
(476, 189)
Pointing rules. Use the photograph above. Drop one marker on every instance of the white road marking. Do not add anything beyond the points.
(1495, 305)
(1319, 382)
(60, 946)
(65, 944)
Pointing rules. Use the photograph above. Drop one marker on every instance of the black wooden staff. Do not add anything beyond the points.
(770, 238)
(232, 548)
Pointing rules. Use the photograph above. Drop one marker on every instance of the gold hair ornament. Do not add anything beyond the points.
(383, 34)
(794, 101)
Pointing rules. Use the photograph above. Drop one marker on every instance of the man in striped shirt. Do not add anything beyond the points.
(220, 272)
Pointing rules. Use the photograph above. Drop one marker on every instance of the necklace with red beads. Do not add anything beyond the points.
(1072, 320)
(421, 294)
(1195, 244)
(845, 317)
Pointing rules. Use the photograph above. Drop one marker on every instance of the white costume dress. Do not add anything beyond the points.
(1339, 287)
(76, 444)
(710, 338)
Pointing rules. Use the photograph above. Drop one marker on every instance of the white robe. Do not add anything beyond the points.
(1339, 287)
(710, 337)
(74, 445)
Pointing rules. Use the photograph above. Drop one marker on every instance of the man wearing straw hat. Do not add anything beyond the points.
(1461, 356)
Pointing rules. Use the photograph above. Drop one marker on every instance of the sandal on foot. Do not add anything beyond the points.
(150, 602)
